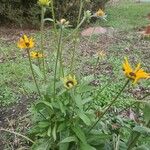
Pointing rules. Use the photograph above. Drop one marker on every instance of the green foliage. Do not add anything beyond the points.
(69, 9)
(19, 12)
(27, 12)
(77, 117)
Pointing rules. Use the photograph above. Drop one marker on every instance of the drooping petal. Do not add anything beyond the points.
(137, 68)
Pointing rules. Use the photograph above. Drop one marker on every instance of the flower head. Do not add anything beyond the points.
(63, 23)
(136, 74)
(34, 54)
(101, 54)
(87, 14)
(100, 13)
(44, 2)
(25, 42)
(69, 81)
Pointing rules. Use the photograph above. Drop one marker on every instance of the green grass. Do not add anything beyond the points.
(127, 15)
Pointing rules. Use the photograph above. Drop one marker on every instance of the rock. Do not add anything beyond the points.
(93, 30)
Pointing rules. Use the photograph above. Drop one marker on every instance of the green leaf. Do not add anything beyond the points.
(42, 144)
(84, 118)
(63, 146)
(142, 147)
(146, 111)
(61, 92)
(61, 126)
(85, 88)
(61, 106)
(142, 130)
(38, 71)
(47, 104)
(87, 79)
(49, 131)
(96, 139)
(54, 132)
(87, 100)
(78, 101)
(86, 147)
(79, 133)
(30, 86)
(43, 124)
(69, 139)
(48, 19)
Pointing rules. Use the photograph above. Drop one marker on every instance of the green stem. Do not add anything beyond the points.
(91, 36)
(97, 61)
(75, 37)
(134, 138)
(38, 60)
(61, 70)
(80, 11)
(56, 63)
(117, 142)
(33, 75)
(42, 39)
(127, 107)
(53, 15)
(76, 29)
(113, 101)
(73, 55)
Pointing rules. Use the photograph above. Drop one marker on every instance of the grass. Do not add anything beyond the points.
(125, 17)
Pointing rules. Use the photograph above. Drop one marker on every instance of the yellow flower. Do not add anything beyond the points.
(69, 81)
(44, 2)
(100, 13)
(101, 54)
(25, 42)
(36, 55)
(136, 74)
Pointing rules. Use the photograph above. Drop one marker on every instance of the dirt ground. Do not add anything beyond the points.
(9, 115)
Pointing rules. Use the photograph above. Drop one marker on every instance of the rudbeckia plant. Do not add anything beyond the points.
(67, 114)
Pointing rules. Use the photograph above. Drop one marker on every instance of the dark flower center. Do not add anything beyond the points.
(132, 74)
(37, 54)
(27, 44)
(69, 82)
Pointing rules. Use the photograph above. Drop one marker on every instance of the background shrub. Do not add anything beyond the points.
(27, 12)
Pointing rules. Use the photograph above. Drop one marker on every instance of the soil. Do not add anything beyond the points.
(102, 42)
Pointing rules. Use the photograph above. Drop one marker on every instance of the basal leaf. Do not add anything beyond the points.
(142, 130)
(79, 133)
(68, 139)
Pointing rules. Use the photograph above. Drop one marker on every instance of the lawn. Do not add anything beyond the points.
(125, 21)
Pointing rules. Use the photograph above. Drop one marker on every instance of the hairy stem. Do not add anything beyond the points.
(75, 37)
(33, 75)
(53, 15)
(57, 59)
(42, 40)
